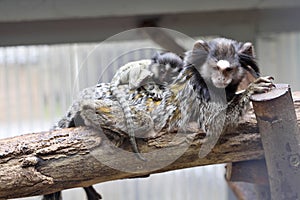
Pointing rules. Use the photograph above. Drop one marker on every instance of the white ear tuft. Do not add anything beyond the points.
(248, 49)
(200, 45)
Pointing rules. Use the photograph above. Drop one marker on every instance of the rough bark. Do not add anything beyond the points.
(40, 163)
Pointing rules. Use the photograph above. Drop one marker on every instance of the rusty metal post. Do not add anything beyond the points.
(250, 171)
(249, 180)
(278, 127)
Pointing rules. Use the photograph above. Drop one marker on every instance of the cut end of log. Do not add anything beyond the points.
(278, 91)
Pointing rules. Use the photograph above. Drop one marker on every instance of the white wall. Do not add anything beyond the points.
(279, 56)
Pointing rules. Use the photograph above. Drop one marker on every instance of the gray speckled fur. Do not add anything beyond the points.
(149, 74)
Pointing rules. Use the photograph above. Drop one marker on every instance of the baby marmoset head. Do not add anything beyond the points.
(165, 67)
(222, 61)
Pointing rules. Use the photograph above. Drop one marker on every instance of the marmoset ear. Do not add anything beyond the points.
(246, 57)
(248, 49)
(200, 45)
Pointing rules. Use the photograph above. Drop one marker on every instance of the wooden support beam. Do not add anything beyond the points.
(277, 121)
(249, 180)
(249, 191)
(251, 171)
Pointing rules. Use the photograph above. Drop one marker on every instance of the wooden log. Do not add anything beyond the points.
(278, 126)
(40, 163)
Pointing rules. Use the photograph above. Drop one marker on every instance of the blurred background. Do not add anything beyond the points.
(50, 50)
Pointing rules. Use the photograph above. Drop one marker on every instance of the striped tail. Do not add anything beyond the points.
(128, 120)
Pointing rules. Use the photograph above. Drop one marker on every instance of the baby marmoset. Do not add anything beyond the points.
(152, 75)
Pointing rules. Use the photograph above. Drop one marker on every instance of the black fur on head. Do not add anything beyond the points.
(165, 58)
(247, 59)
(166, 67)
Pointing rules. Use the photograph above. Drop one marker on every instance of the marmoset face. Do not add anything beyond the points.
(222, 71)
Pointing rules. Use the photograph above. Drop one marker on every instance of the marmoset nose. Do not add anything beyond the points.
(221, 79)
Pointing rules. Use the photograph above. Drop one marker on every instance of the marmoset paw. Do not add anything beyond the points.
(261, 85)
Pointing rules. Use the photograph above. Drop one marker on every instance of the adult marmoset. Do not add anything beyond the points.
(206, 90)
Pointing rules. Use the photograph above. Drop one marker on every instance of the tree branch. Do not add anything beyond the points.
(40, 163)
